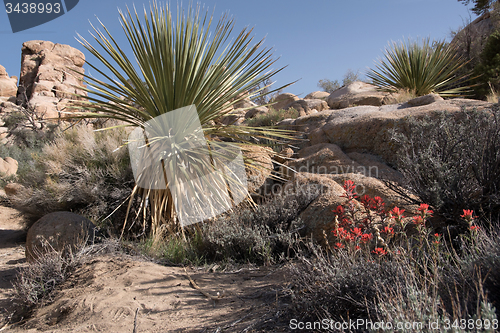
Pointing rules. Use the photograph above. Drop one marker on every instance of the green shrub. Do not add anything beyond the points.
(272, 118)
(330, 86)
(488, 69)
(263, 235)
(451, 161)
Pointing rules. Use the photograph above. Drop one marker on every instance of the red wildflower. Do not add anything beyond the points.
(437, 237)
(350, 189)
(340, 210)
(387, 230)
(418, 220)
(378, 203)
(367, 201)
(397, 213)
(379, 251)
(366, 238)
(357, 232)
(339, 232)
(474, 228)
(339, 246)
(467, 214)
(348, 237)
(423, 206)
(424, 210)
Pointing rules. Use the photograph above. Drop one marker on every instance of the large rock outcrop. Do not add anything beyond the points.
(367, 129)
(328, 158)
(358, 93)
(50, 74)
(317, 95)
(8, 86)
(283, 100)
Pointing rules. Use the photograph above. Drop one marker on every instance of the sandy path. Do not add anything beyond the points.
(12, 238)
(118, 293)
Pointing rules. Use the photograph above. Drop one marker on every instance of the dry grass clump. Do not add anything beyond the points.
(401, 96)
(37, 283)
(80, 171)
(493, 96)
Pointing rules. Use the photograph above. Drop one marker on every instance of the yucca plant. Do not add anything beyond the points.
(177, 65)
(422, 68)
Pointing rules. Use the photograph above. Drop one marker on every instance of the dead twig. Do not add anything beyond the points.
(195, 286)
(135, 321)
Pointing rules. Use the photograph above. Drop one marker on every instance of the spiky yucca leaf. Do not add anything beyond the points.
(422, 68)
(180, 64)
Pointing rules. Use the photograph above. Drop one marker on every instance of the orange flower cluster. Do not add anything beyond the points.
(357, 227)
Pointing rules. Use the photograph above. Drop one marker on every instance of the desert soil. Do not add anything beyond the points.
(120, 293)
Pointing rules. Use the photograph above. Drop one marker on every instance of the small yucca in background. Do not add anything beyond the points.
(422, 68)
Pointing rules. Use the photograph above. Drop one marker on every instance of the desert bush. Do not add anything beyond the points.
(261, 235)
(461, 295)
(26, 140)
(263, 93)
(264, 234)
(488, 69)
(36, 283)
(330, 86)
(475, 273)
(420, 67)
(81, 171)
(452, 160)
(338, 286)
(273, 117)
(403, 281)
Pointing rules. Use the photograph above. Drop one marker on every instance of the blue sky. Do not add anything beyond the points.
(316, 39)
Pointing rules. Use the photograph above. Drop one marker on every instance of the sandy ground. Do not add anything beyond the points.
(124, 294)
(12, 238)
